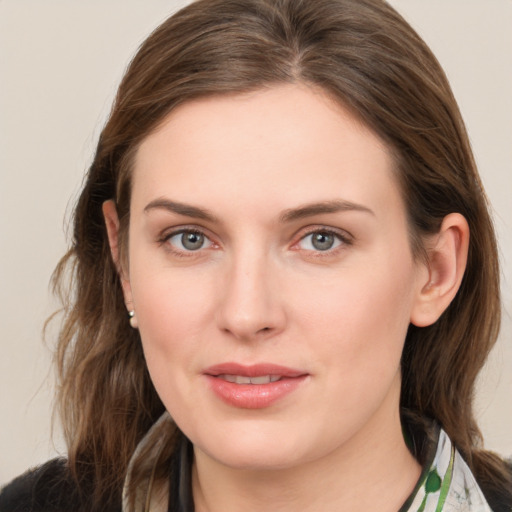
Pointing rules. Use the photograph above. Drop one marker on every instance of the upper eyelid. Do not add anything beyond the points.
(167, 233)
(309, 230)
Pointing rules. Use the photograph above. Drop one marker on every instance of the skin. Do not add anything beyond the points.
(259, 290)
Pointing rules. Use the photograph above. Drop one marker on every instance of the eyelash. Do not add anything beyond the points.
(183, 253)
(343, 239)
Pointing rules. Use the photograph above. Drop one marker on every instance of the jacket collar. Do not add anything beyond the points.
(150, 495)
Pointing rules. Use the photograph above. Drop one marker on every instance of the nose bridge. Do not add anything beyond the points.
(251, 303)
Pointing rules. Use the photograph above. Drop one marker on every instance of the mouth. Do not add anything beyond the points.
(243, 379)
(254, 386)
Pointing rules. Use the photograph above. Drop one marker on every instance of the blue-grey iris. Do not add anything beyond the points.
(322, 241)
(192, 241)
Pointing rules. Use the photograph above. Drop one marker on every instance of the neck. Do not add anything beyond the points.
(374, 471)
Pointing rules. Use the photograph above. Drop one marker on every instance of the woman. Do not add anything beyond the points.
(284, 246)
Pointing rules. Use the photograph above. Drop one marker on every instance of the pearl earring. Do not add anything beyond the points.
(133, 319)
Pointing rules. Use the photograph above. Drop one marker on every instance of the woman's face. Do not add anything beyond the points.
(271, 276)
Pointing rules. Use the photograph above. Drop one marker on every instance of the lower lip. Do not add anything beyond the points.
(253, 396)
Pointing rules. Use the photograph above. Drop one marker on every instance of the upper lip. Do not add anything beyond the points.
(253, 370)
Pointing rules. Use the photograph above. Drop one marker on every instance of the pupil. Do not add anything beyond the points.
(322, 241)
(192, 241)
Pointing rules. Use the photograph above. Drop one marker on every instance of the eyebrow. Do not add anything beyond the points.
(289, 215)
(334, 206)
(181, 209)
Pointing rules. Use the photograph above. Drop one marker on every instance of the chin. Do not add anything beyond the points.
(258, 459)
(259, 448)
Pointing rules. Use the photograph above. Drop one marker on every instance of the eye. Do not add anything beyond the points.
(321, 240)
(189, 240)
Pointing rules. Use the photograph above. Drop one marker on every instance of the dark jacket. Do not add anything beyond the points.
(48, 488)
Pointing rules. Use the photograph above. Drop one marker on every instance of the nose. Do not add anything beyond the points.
(251, 302)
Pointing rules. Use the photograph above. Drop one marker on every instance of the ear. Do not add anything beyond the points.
(447, 256)
(112, 225)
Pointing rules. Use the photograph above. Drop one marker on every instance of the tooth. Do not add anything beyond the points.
(264, 379)
(242, 379)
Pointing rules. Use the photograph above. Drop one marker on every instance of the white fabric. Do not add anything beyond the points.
(458, 490)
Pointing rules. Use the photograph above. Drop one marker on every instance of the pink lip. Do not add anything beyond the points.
(253, 396)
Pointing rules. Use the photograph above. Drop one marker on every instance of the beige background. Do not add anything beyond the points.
(60, 61)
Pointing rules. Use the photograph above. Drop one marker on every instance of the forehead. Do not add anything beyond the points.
(274, 144)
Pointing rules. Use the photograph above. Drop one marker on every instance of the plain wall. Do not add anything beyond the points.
(60, 62)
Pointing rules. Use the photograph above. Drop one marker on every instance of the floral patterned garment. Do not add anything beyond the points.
(448, 485)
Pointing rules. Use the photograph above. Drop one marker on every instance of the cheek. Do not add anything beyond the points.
(362, 316)
(172, 311)
(170, 329)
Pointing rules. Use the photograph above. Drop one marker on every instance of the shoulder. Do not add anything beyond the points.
(47, 488)
(499, 495)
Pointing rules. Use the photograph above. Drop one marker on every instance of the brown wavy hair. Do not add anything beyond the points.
(364, 55)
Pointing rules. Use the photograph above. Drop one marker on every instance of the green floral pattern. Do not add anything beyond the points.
(449, 485)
